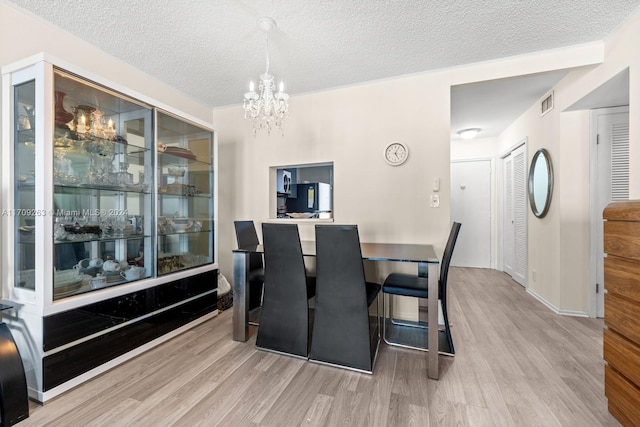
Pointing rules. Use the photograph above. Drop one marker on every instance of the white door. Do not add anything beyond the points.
(515, 215)
(612, 178)
(507, 215)
(471, 207)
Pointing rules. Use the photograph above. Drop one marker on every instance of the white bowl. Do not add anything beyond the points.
(180, 227)
(181, 224)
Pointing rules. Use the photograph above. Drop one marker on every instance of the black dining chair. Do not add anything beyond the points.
(411, 285)
(345, 334)
(246, 236)
(284, 321)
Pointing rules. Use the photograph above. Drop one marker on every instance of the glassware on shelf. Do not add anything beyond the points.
(123, 177)
(110, 131)
(59, 232)
(62, 142)
(82, 120)
(119, 224)
(81, 220)
(106, 226)
(97, 126)
(101, 165)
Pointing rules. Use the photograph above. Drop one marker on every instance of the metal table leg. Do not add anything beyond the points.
(240, 296)
(433, 321)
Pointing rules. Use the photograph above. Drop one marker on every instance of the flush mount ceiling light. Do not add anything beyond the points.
(264, 107)
(469, 133)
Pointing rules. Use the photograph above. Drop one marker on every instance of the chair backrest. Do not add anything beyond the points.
(284, 263)
(247, 236)
(341, 320)
(285, 317)
(339, 267)
(446, 258)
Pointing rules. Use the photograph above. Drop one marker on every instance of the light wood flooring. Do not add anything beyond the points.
(517, 364)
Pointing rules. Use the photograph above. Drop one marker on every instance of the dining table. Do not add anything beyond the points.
(421, 254)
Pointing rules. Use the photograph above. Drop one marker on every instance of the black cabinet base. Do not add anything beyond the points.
(138, 318)
(14, 401)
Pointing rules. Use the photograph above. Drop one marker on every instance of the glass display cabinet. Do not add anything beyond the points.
(107, 221)
(185, 202)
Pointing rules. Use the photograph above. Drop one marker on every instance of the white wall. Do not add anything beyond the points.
(470, 149)
(350, 126)
(559, 243)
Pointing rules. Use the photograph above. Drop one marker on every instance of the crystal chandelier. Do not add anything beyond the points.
(266, 108)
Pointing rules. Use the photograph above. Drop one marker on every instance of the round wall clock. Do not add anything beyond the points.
(396, 153)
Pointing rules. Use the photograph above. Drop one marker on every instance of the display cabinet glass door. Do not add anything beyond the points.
(185, 196)
(24, 180)
(102, 169)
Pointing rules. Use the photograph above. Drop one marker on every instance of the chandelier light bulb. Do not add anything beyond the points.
(281, 87)
(251, 86)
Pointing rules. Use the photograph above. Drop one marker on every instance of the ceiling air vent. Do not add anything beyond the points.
(547, 104)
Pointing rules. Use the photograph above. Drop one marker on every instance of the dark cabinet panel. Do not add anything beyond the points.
(79, 323)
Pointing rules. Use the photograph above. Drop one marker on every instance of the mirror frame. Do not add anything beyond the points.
(545, 154)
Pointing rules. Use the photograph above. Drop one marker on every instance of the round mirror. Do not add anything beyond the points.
(540, 183)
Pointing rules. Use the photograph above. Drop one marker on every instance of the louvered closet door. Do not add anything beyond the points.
(507, 238)
(620, 160)
(612, 177)
(520, 216)
(515, 215)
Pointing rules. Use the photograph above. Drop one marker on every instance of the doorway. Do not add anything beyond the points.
(471, 202)
(610, 181)
(514, 213)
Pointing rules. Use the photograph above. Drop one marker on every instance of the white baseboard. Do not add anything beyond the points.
(554, 308)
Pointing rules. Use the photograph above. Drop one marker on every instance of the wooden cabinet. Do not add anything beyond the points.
(622, 310)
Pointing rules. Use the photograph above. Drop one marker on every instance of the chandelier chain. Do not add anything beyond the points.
(266, 44)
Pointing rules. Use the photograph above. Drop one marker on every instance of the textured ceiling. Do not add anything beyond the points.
(210, 49)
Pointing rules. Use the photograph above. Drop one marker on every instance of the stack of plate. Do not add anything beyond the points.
(180, 152)
(66, 282)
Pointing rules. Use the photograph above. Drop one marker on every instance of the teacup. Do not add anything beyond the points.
(83, 264)
(111, 265)
(97, 282)
(133, 273)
